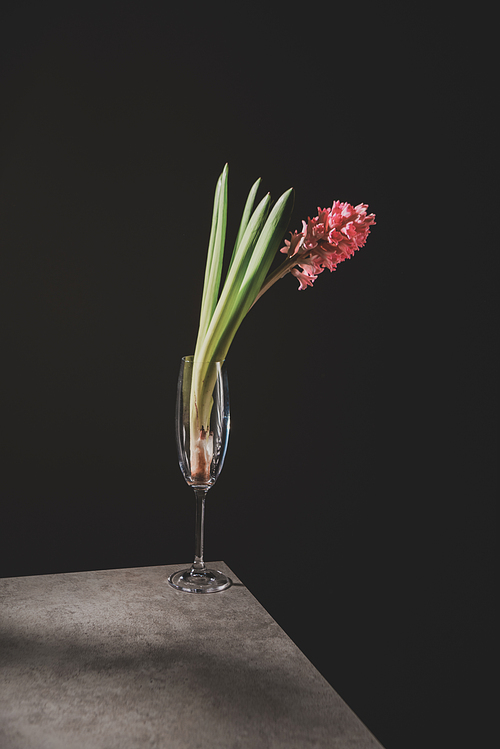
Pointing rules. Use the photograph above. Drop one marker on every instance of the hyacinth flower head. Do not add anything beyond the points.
(325, 240)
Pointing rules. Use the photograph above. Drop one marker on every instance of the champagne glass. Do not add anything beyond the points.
(202, 430)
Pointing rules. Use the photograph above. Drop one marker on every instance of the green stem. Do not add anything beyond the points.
(281, 271)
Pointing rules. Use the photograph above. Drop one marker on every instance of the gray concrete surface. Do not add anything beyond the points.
(117, 659)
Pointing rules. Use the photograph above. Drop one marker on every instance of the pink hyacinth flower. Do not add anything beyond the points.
(327, 239)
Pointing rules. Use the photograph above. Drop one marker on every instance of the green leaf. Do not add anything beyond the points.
(243, 284)
(263, 254)
(259, 237)
(213, 268)
(224, 311)
(247, 212)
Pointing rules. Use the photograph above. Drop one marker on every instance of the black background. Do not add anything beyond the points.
(357, 497)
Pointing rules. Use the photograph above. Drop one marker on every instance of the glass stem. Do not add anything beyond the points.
(198, 564)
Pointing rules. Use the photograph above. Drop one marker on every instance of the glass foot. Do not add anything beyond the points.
(206, 581)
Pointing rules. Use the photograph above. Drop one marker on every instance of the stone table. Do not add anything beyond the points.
(118, 659)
